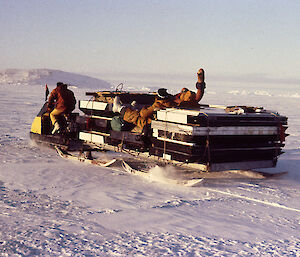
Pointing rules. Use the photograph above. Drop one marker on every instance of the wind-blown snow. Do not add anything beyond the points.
(54, 207)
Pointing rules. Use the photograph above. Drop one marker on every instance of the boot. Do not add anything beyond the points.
(117, 105)
(56, 128)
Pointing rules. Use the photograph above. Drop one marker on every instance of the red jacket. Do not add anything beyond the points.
(62, 99)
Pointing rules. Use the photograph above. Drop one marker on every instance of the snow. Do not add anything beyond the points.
(50, 77)
(55, 207)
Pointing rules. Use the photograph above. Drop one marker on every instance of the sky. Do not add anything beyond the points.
(249, 39)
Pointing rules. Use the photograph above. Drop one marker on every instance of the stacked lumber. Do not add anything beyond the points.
(216, 137)
(98, 115)
(235, 137)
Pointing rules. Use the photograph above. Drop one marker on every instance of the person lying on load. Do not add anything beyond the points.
(184, 99)
(61, 102)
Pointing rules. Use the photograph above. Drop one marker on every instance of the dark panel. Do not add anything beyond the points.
(219, 120)
(225, 141)
(218, 156)
(129, 140)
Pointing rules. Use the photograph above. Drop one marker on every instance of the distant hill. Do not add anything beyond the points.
(50, 77)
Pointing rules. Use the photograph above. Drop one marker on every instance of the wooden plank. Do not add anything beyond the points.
(100, 117)
(98, 113)
(93, 105)
(98, 139)
(85, 136)
(194, 148)
(202, 131)
(212, 156)
(93, 136)
(125, 97)
(218, 117)
(230, 140)
(176, 115)
(251, 119)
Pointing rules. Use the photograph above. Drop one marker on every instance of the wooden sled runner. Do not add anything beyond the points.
(67, 155)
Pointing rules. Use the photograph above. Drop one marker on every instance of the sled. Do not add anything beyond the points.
(204, 140)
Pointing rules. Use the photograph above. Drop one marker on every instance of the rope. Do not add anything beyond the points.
(89, 116)
(280, 133)
(165, 134)
(122, 141)
(207, 145)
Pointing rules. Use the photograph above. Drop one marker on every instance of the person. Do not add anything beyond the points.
(61, 102)
(190, 99)
(184, 99)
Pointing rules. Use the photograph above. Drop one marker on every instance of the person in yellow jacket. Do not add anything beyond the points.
(184, 99)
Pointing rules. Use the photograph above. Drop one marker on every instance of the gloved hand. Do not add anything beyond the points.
(200, 83)
(201, 76)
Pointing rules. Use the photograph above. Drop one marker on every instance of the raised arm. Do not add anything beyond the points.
(200, 84)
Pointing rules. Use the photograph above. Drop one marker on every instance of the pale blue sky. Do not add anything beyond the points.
(238, 38)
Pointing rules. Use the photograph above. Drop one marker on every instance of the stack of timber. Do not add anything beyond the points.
(212, 137)
(221, 138)
(97, 122)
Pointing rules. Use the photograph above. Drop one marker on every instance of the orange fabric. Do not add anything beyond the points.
(142, 117)
(157, 105)
(62, 99)
(133, 116)
(186, 99)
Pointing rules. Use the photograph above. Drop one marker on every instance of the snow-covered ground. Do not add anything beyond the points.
(54, 207)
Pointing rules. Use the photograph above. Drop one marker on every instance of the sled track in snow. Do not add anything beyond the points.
(273, 204)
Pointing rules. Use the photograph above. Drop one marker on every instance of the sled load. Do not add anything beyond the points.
(208, 138)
